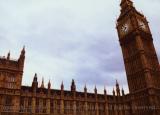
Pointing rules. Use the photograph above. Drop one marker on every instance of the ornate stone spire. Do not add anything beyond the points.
(114, 92)
(42, 84)
(73, 86)
(85, 88)
(123, 92)
(35, 83)
(49, 85)
(62, 86)
(35, 78)
(8, 55)
(95, 90)
(117, 88)
(22, 59)
(105, 91)
(23, 51)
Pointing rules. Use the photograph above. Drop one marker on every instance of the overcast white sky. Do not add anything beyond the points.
(68, 39)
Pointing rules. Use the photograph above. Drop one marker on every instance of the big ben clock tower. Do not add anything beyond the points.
(140, 59)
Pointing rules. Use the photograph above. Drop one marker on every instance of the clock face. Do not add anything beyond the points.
(124, 28)
(142, 25)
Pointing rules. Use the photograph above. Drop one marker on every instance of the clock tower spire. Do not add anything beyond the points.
(140, 58)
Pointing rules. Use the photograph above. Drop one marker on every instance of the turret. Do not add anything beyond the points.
(85, 88)
(8, 55)
(95, 90)
(22, 58)
(62, 90)
(105, 92)
(73, 86)
(49, 88)
(49, 85)
(35, 83)
(62, 86)
(123, 92)
(117, 88)
(113, 92)
(85, 91)
(42, 84)
(22, 55)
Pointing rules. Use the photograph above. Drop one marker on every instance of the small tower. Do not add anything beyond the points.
(123, 92)
(34, 80)
(73, 86)
(8, 55)
(85, 92)
(11, 73)
(62, 86)
(62, 92)
(35, 83)
(49, 88)
(22, 59)
(85, 88)
(95, 90)
(113, 92)
(22, 55)
(42, 84)
(105, 91)
(49, 85)
(117, 88)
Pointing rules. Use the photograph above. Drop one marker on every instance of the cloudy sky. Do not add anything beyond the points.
(70, 39)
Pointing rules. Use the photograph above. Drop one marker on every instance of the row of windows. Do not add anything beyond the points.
(11, 79)
(8, 76)
(11, 85)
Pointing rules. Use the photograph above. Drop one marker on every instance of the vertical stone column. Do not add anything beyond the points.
(34, 91)
(74, 103)
(123, 103)
(73, 90)
(33, 105)
(62, 100)
(97, 108)
(96, 102)
(48, 107)
(85, 103)
(106, 103)
(74, 107)
(144, 61)
(106, 108)
(16, 104)
(121, 106)
(62, 107)
(1, 103)
(86, 107)
(115, 103)
(48, 101)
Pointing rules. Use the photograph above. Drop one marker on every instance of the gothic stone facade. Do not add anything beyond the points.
(142, 69)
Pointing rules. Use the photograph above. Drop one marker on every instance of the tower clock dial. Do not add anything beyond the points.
(124, 28)
(142, 25)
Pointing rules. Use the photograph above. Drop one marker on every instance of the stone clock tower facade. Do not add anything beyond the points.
(140, 59)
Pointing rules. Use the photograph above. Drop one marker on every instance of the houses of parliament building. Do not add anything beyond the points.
(142, 70)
